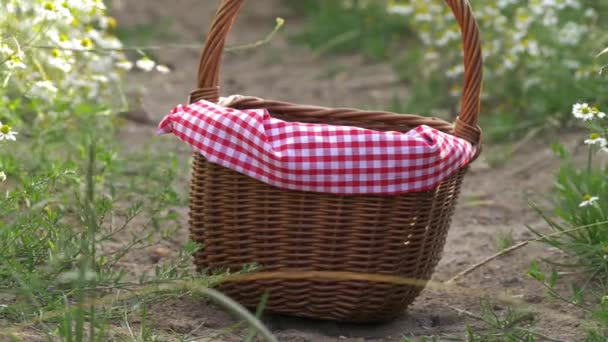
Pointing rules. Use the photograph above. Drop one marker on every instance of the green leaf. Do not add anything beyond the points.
(553, 279)
(535, 272)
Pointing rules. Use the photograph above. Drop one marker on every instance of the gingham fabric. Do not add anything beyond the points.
(318, 157)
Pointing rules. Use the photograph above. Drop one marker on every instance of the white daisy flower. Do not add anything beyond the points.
(100, 78)
(424, 17)
(163, 69)
(590, 13)
(571, 33)
(43, 89)
(596, 111)
(2, 176)
(79, 5)
(588, 201)
(15, 62)
(53, 34)
(60, 39)
(431, 56)
(572, 64)
(94, 34)
(505, 3)
(145, 64)
(98, 4)
(583, 111)
(7, 133)
(509, 62)
(59, 61)
(52, 11)
(5, 49)
(455, 71)
(107, 23)
(124, 64)
(109, 42)
(86, 43)
(61, 64)
(596, 139)
(550, 18)
(400, 9)
(447, 37)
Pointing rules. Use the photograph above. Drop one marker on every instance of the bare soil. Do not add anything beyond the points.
(494, 199)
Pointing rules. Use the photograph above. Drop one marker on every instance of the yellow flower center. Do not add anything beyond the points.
(594, 136)
(587, 197)
(49, 6)
(55, 53)
(112, 23)
(86, 42)
(586, 110)
(606, 249)
(595, 110)
(5, 129)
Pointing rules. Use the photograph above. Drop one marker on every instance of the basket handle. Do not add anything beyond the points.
(465, 125)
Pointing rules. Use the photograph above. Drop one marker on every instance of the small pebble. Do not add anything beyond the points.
(511, 281)
(158, 253)
(435, 321)
(181, 327)
(532, 298)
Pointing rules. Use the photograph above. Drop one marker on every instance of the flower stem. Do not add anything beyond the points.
(590, 161)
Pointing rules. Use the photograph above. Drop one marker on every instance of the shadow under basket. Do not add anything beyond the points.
(356, 258)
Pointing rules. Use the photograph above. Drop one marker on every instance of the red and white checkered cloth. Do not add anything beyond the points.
(317, 157)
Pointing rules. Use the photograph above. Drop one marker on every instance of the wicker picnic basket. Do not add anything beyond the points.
(359, 258)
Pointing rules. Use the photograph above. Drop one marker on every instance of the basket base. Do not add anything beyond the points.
(350, 301)
(388, 245)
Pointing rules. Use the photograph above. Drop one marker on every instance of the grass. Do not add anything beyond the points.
(573, 183)
(77, 207)
(58, 274)
(368, 32)
(584, 248)
(493, 326)
(504, 239)
(143, 34)
(63, 213)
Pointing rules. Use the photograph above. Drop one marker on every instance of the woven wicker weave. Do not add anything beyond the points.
(325, 256)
